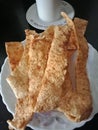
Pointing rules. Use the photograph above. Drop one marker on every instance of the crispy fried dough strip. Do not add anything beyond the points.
(14, 51)
(50, 92)
(73, 44)
(19, 82)
(24, 63)
(73, 39)
(77, 103)
(23, 114)
(39, 47)
(38, 54)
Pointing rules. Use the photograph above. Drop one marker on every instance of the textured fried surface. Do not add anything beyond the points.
(38, 55)
(23, 113)
(19, 82)
(76, 103)
(36, 47)
(14, 51)
(55, 71)
(51, 73)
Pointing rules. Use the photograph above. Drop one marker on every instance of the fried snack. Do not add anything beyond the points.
(19, 82)
(51, 74)
(51, 89)
(25, 103)
(14, 51)
(38, 55)
(76, 103)
(23, 114)
(18, 79)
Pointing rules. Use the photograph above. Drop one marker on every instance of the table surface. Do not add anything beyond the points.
(13, 23)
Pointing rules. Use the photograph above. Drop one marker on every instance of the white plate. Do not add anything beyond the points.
(35, 21)
(53, 120)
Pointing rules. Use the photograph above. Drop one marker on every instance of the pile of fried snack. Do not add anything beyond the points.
(49, 72)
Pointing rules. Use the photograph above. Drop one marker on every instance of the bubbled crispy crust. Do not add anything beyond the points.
(55, 71)
(14, 51)
(20, 79)
(38, 55)
(42, 80)
(76, 103)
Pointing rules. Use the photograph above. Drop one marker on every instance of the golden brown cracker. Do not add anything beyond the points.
(14, 51)
(77, 102)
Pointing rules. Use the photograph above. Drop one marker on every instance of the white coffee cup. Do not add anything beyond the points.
(48, 10)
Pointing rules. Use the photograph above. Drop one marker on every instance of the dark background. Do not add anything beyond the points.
(13, 23)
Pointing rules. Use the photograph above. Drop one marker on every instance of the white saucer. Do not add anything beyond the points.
(35, 21)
